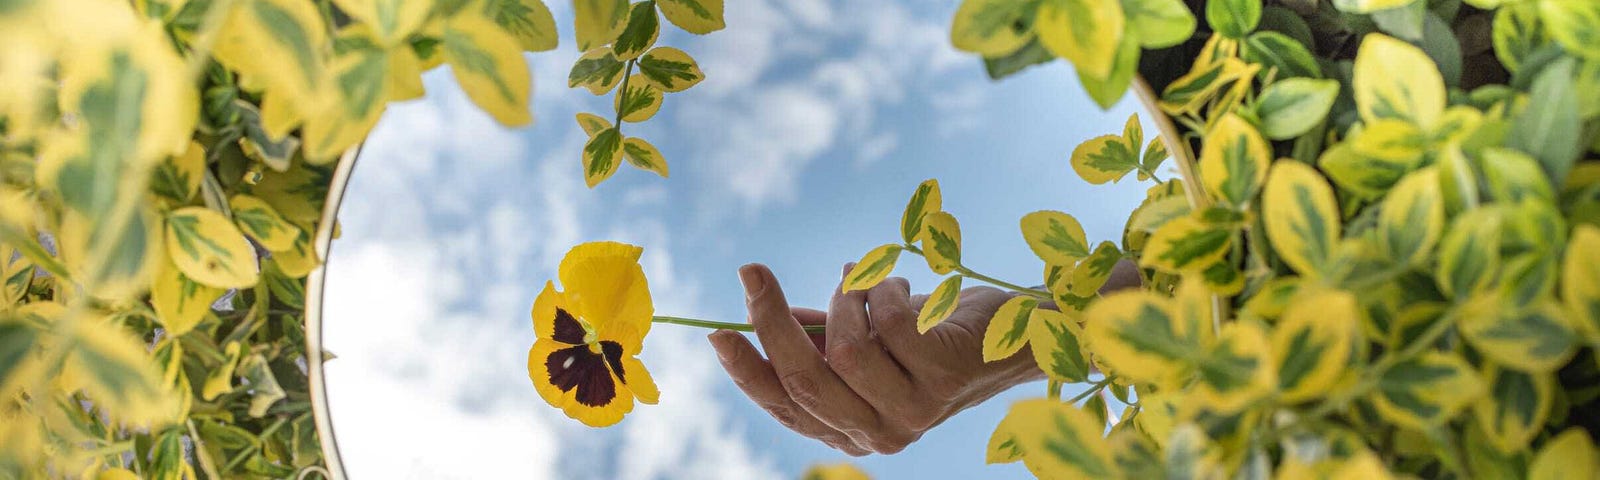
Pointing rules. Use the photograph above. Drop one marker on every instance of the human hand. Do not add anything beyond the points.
(871, 383)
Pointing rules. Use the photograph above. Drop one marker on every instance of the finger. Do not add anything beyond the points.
(857, 356)
(755, 377)
(894, 319)
(800, 368)
(812, 316)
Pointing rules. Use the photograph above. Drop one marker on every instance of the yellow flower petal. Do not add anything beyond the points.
(639, 381)
(576, 380)
(604, 281)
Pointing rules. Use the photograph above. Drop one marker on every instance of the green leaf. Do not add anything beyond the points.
(598, 22)
(926, 200)
(1004, 65)
(17, 341)
(1469, 255)
(940, 304)
(640, 34)
(1533, 339)
(1575, 24)
(1053, 338)
(872, 269)
(1404, 21)
(1007, 331)
(669, 69)
(597, 70)
(1055, 237)
(1233, 161)
(1427, 390)
(1233, 18)
(1159, 23)
(1291, 107)
(994, 28)
(1106, 158)
(1106, 91)
(1085, 32)
(694, 16)
(1516, 33)
(1549, 128)
(1412, 218)
(1513, 176)
(601, 156)
(529, 21)
(1302, 218)
(1274, 50)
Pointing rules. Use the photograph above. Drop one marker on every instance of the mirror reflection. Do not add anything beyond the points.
(815, 122)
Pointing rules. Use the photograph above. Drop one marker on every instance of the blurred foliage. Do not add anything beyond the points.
(163, 168)
(1380, 256)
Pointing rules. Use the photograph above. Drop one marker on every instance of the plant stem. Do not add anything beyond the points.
(1427, 339)
(967, 272)
(738, 327)
(1053, 389)
(1093, 389)
(622, 94)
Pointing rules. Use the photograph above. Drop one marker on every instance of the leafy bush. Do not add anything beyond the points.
(1374, 262)
(163, 165)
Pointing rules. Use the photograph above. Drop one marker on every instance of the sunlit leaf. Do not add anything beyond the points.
(1312, 343)
(642, 154)
(390, 20)
(990, 27)
(924, 201)
(940, 304)
(1570, 454)
(598, 22)
(1575, 24)
(1532, 339)
(1106, 158)
(1426, 390)
(488, 64)
(1394, 79)
(873, 268)
(597, 70)
(639, 101)
(1369, 6)
(529, 21)
(1301, 217)
(640, 33)
(1186, 244)
(1580, 281)
(1137, 336)
(207, 248)
(694, 16)
(1233, 161)
(1515, 407)
(1055, 237)
(1085, 32)
(1159, 23)
(1292, 106)
(1053, 339)
(941, 242)
(283, 43)
(1061, 441)
(258, 220)
(180, 303)
(601, 156)
(1237, 370)
(669, 69)
(1007, 332)
(1412, 218)
(592, 124)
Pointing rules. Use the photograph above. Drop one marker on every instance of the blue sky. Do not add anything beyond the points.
(816, 121)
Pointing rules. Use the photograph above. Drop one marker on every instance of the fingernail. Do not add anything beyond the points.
(751, 277)
(720, 343)
(847, 267)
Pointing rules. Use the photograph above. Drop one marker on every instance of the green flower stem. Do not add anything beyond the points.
(967, 272)
(738, 327)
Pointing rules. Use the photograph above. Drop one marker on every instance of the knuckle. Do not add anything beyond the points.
(785, 416)
(802, 387)
(845, 357)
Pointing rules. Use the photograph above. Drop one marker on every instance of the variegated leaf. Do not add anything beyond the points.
(1053, 338)
(1060, 441)
(1515, 407)
(638, 101)
(1233, 161)
(941, 242)
(1186, 244)
(873, 268)
(258, 220)
(207, 248)
(1007, 332)
(1469, 255)
(1291, 107)
(1055, 237)
(592, 124)
(1301, 217)
(1412, 218)
(177, 177)
(1570, 454)
(640, 34)
(1159, 23)
(1137, 336)
(1233, 18)
(991, 27)
(642, 154)
(1532, 339)
(1427, 390)
(1575, 24)
(1393, 79)
(1580, 281)
(529, 21)
(180, 303)
(669, 69)
(597, 70)
(924, 201)
(1237, 370)
(1085, 32)
(391, 21)
(1106, 158)
(1094, 270)
(601, 156)
(694, 16)
(1313, 343)
(488, 64)
(940, 304)
(598, 22)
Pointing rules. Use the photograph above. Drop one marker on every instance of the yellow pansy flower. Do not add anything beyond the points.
(583, 360)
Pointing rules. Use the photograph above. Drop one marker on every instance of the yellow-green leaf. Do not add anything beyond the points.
(180, 303)
(1533, 339)
(1512, 176)
(1580, 281)
(1312, 343)
(1085, 32)
(1237, 370)
(178, 177)
(488, 64)
(16, 273)
(1191, 91)
(1575, 24)
(1393, 79)
(1007, 332)
(529, 21)
(1233, 18)
(1055, 237)
(1094, 270)
(1136, 336)
(669, 69)
(601, 156)
(220, 379)
(873, 268)
(1369, 6)
(941, 242)
(207, 248)
(992, 27)
(1053, 338)
(1185, 244)
(258, 220)
(1301, 217)
(694, 16)
(640, 34)
(1391, 141)
(642, 154)
(1570, 454)
(1515, 407)
(940, 304)
(639, 101)
(1159, 23)
(926, 200)
(598, 22)
(118, 374)
(1003, 445)
(1426, 390)
(1060, 441)
(1412, 217)
(597, 70)
(298, 261)
(1469, 255)
(1233, 161)
(1291, 107)
(1364, 176)
(1273, 298)
(1106, 158)
(280, 43)
(592, 124)
(391, 21)
(355, 93)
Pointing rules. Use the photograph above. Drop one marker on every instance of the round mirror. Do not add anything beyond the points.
(798, 151)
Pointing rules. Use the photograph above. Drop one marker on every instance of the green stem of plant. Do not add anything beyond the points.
(1093, 389)
(738, 327)
(1053, 389)
(967, 272)
(622, 92)
(1423, 342)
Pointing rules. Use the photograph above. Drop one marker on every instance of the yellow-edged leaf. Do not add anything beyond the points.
(1061, 441)
(592, 124)
(644, 25)
(1580, 281)
(488, 64)
(924, 201)
(1469, 254)
(1533, 339)
(180, 303)
(529, 21)
(1055, 237)
(258, 220)
(118, 374)
(1412, 218)
(298, 261)
(390, 20)
(1301, 216)
(642, 154)
(669, 69)
(1085, 32)
(694, 16)
(280, 43)
(601, 156)
(1426, 390)
(1185, 244)
(1003, 446)
(1312, 343)
(598, 70)
(1393, 79)
(941, 242)
(1571, 454)
(1106, 158)
(1238, 369)
(873, 268)
(220, 379)
(992, 27)
(1007, 332)
(1233, 161)
(1137, 336)
(1053, 339)
(598, 22)
(1515, 407)
(639, 101)
(940, 304)
(207, 248)
(1094, 270)
(1575, 24)
(1159, 23)
(177, 178)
